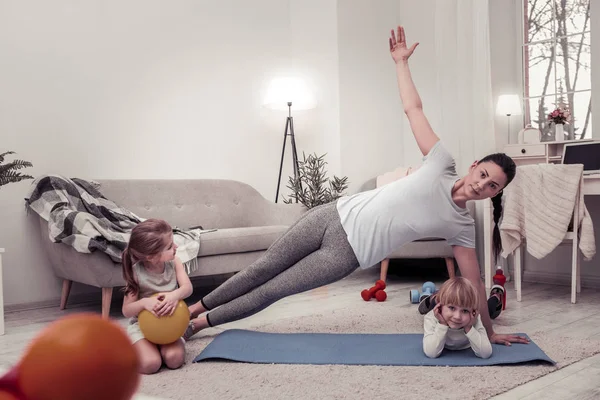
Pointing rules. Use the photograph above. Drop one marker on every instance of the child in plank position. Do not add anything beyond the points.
(454, 322)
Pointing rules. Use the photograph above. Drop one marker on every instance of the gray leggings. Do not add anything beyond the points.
(313, 252)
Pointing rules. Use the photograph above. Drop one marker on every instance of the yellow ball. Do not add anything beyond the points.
(166, 329)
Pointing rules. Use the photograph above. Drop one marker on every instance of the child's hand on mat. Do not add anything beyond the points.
(507, 339)
(166, 304)
(437, 311)
(398, 46)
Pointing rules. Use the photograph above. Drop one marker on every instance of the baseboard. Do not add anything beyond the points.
(75, 300)
(95, 298)
(560, 278)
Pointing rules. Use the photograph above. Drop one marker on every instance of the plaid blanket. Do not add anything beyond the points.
(80, 216)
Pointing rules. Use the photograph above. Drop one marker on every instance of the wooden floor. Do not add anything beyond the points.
(544, 307)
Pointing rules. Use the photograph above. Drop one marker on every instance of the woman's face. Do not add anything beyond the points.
(484, 180)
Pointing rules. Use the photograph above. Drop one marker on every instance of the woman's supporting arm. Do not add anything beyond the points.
(469, 268)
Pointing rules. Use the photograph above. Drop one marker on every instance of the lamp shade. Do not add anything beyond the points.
(508, 104)
(289, 89)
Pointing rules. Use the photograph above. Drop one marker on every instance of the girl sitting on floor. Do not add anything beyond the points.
(150, 267)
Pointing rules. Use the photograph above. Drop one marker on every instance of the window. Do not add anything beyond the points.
(556, 65)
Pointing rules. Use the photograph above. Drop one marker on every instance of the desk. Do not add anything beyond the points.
(591, 186)
(539, 153)
(524, 154)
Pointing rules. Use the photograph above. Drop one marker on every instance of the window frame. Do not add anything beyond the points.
(522, 48)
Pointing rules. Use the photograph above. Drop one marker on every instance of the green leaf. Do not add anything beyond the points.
(312, 187)
(11, 177)
(4, 154)
(8, 172)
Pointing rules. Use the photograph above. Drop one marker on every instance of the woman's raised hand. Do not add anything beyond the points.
(398, 49)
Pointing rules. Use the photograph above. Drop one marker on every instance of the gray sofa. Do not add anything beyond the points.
(247, 224)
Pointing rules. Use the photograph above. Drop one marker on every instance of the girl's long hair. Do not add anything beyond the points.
(148, 238)
(510, 169)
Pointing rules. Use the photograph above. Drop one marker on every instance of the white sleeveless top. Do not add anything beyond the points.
(152, 283)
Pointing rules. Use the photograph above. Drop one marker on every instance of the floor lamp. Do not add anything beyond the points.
(282, 93)
(508, 104)
(289, 131)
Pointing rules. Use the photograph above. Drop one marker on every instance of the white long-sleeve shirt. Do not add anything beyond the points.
(438, 336)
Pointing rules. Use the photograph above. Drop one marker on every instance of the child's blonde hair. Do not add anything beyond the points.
(460, 292)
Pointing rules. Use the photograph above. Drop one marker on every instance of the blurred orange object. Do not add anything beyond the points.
(7, 396)
(79, 357)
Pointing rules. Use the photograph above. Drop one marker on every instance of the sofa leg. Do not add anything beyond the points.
(106, 299)
(450, 267)
(66, 289)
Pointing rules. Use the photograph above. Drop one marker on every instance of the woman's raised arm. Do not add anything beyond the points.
(425, 136)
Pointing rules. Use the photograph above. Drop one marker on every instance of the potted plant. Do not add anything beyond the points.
(312, 187)
(9, 172)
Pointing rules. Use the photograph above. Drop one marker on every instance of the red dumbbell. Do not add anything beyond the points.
(369, 294)
(381, 295)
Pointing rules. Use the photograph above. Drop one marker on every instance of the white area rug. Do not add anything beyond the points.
(228, 380)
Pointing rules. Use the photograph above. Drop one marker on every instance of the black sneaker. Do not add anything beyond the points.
(427, 304)
(495, 301)
(189, 332)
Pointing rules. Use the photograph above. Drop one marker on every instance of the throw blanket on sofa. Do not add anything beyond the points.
(80, 216)
(539, 205)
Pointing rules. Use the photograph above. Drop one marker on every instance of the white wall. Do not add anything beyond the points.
(375, 134)
(370, 110)
(154, 89)
(314, 42)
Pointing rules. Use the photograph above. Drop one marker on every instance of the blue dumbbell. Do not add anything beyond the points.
(427, 289)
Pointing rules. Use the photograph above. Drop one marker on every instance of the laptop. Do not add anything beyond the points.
(586, 153)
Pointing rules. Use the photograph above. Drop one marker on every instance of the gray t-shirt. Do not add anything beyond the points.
(417, 206)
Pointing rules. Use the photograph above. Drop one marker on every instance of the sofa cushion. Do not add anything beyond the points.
(239, 240)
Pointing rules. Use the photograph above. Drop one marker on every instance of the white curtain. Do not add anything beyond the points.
(462, 51)
(463, 85)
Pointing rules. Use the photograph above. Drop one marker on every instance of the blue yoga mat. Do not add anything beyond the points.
(352, 349)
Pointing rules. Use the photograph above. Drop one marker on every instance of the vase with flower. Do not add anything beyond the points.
(559, 117)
